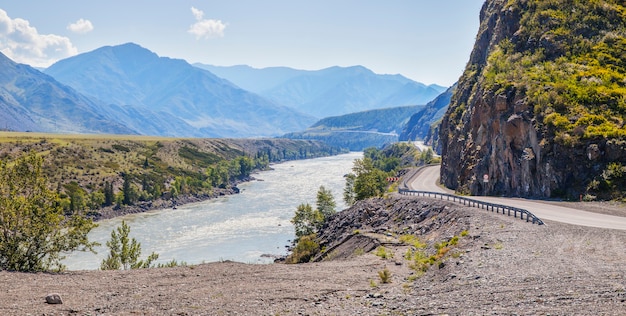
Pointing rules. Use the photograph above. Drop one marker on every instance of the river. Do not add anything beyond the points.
(239, 227)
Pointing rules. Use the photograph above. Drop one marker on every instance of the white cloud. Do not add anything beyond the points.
(205, 28)
(81, 26)
(198, 14)
(23, 44)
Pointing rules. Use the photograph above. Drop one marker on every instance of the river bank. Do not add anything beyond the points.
(240, 227)
(503, 266)
(110, 212)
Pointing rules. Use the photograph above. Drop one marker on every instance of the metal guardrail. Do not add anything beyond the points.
(524, 214)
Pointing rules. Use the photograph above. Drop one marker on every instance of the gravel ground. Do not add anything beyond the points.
(504, 266)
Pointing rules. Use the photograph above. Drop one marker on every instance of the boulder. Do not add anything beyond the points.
(54, 298)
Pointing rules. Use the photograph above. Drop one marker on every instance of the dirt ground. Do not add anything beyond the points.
(504, 266)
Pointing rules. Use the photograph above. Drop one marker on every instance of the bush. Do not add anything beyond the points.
(305, 250)
(384, 275)
(412, 240)
(33, 229)
(384, 253)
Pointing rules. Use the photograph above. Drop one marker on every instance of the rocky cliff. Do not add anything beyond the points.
(541, 106)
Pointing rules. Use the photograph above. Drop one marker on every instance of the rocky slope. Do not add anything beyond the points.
(539, 108)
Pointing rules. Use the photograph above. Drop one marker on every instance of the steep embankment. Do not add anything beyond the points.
(541, 106)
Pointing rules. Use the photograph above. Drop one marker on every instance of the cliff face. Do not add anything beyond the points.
(533, 115)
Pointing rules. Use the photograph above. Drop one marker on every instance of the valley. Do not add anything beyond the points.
(111, 175)
(183, 151)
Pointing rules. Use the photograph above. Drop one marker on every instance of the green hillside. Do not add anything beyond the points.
(574, 72)
(95, 171)
(357, 131)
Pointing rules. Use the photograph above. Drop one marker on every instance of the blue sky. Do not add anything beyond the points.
(425, 40)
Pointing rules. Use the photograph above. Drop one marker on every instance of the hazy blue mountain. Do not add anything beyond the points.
(331, 91)
(357, 131)
(136, 79)
(147, 122)
(253, 79)
(413, 93)
(419, 124)
(33, 101)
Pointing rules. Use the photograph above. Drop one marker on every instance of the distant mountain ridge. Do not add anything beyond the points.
(420, 123)
(253, 79)
(127, 89)
(33, 101)
(331, 91)
(357, 131)
(137, 80)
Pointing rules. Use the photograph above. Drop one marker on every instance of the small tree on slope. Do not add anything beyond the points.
(34, 232)
(124, 252)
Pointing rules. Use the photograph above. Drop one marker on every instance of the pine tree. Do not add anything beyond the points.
(124, 252)
(325, 202)
(109, 197)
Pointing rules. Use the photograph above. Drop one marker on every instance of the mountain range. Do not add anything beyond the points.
(420, 123)
(33, 101)
(127, 89)
(133, 77)
(331, 91)
(376, 128)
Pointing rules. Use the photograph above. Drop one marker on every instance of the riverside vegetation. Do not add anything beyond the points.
(368, 180)
(53, 186)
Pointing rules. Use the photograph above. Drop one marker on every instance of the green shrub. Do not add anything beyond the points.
(421, 262)
(384, 253)
(34, 230)
(171, 264)
(385, 276)
(412, 240)
(305, 249)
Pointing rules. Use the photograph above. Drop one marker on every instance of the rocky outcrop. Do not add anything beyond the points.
(365, 224)
(494, 141)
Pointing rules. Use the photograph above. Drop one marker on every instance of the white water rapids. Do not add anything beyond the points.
(240, 227)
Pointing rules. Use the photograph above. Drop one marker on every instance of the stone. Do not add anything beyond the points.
(54, 298)
(593, 152)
